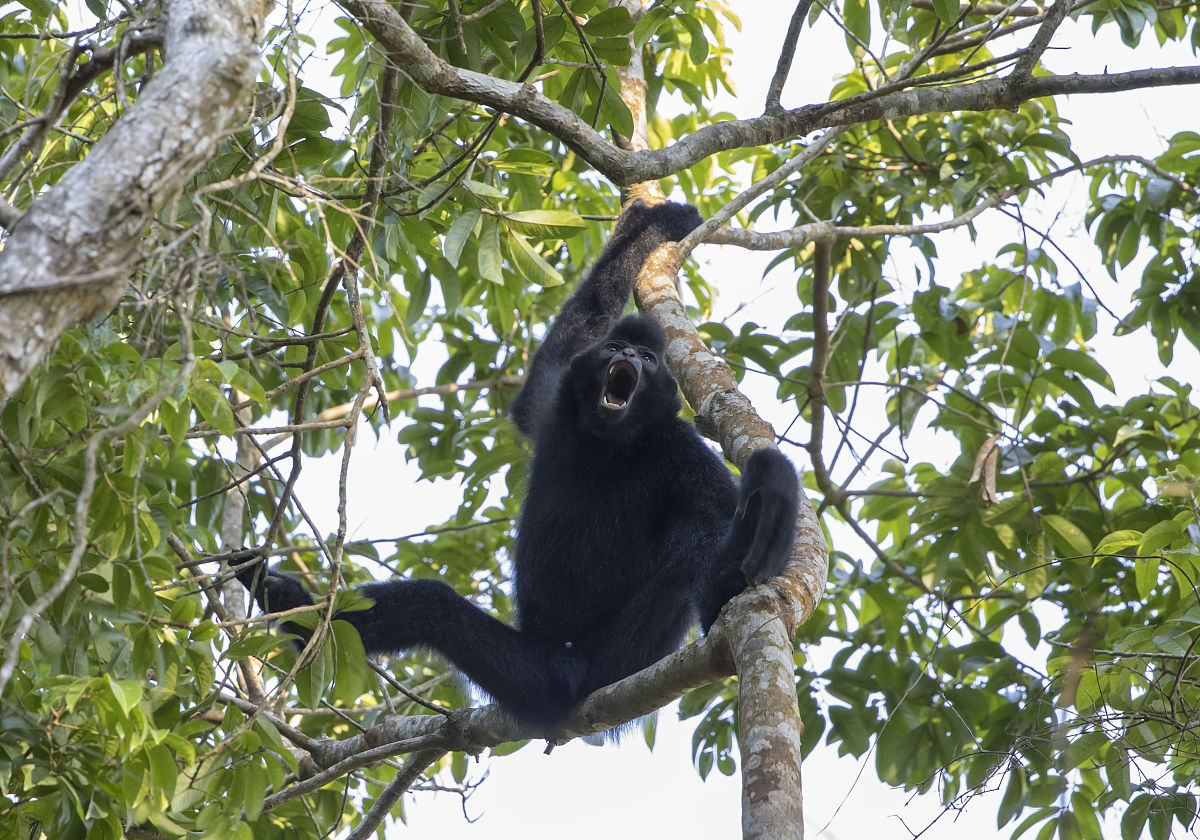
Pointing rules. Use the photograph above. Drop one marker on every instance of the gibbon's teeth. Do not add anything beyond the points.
(619, 384)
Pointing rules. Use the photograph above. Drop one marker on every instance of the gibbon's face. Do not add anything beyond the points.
(625, 365)
(621, 384)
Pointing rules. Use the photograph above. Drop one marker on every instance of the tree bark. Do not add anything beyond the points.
(69, 255)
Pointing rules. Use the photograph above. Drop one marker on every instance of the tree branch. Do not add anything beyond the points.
(69, 255)
(1041, 40)
(626, 168)
(409, 773)
(798, 236)
(436, 76)
(786, 53)
(473, 730)
(820, 358)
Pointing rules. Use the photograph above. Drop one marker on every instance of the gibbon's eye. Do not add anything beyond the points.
(612, 347)
(649, 357)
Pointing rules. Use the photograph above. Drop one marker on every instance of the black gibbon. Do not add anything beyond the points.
(632, 529)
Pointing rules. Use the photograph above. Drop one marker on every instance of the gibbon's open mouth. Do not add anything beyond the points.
(619, 385)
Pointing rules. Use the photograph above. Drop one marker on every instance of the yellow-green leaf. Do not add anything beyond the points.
(530, 263)
(1069, 534)
(546, 224)
(1117, 541)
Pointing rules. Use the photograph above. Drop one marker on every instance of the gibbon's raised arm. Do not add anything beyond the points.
(596, 306)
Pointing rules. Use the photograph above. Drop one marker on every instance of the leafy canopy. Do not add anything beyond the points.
(1021, 612)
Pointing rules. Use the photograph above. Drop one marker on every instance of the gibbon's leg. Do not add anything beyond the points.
(761, 533)
(531, 677)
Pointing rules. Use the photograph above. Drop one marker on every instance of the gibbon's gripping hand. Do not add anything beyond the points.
(765, 522)
(650, 225)
(274, 591)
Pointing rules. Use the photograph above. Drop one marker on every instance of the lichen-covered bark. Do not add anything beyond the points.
(769, 725)
(473, 730)
(68, 257)
(759, 624)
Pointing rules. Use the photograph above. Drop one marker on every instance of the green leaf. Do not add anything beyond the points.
(527, 161)
(456, 238)
(1159, 535)
(255, 643)
(1158, 190)
(697, 44)
(1117, 541)
(648, 26)
(483, 190)
(530, 263)
(617, 111)
(1083, 748)
(546, 224)
(212, 406)
(1133, 821)
(312, 680)
(609, 23)
(1069, 534)
(41, 9)
(432, 195)
(1145, 575)
(507, 749)
(254, 789)
(162, 769)
(490, 260)
(857, 14)
(127, 693)
(1016, 795)
(1160, 818)
(614, 52)
(1081, 363)
(946, 10)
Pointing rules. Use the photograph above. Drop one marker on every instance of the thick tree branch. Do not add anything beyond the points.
(406, 49)
(473, 730)
(68, 257)
(626, 168)
(770, 726)
(983, 95)
(1041, 40)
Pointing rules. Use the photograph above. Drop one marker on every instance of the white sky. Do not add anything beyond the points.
(588, 792)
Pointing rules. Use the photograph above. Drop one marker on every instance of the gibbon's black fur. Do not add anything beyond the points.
(632, 528)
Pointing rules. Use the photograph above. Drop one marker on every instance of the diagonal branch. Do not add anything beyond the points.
(786, 53)
(409, 773)
(434, 75)
(1041, 40)
(70, 254)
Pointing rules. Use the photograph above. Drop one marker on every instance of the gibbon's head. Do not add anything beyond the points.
(621, 384)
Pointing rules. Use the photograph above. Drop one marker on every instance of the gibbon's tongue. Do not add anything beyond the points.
(619, 384)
